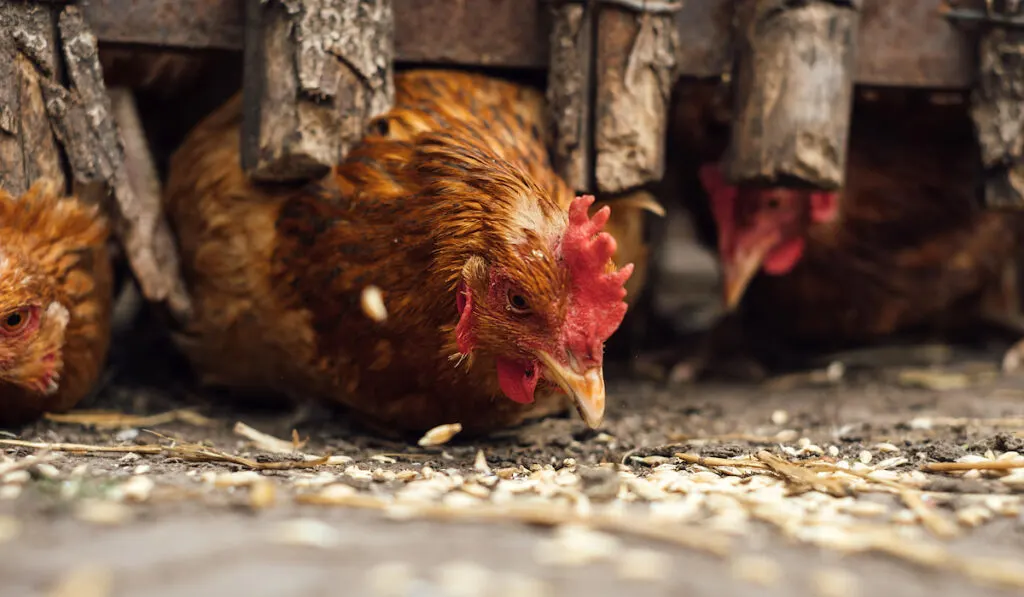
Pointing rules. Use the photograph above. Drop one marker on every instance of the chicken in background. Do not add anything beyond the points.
(55, 302)
(499, 288)
(908, 248)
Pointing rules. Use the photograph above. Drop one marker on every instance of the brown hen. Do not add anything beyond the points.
(56, 290)
(908, 249)
(500, 290)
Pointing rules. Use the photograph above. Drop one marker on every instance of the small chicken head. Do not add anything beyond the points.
(546, 310)
(32, 325)
(761, 228)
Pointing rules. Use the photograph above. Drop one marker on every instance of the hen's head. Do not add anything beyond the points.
(544, 304)
(32, 324)
(761, 228)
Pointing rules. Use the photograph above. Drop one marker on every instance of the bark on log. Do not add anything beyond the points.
(794, 69)
(997, 109)
(84, 121)
(145, 233)
(316, 72)
(570, 84)
(636, 61)
(28, 58)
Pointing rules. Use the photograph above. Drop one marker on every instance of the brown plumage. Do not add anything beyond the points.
(55, 302)
(910, 248)
(450, 206)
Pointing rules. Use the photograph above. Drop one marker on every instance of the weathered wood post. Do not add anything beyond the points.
(50, 114)
(612, 66)
(570, 84)
(28, 58)
(793, 80)
(316, 71)
(997, 104)
(637, 46)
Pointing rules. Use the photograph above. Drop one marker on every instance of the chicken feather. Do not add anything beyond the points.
(449, 206)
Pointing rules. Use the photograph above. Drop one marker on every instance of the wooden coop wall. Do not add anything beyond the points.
(902, 42)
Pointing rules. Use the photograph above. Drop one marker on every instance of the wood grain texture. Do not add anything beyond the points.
(794, 91)
(27, 60)
(570, 80)
(316, 72)
(997, 110)
(636, 63)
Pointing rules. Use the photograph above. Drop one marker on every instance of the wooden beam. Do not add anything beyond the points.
(570, 82)
(85, 122)
(28, 58)
(316, 72)
(794, 91)
(904, 42)
(997, 109)
(636, 62)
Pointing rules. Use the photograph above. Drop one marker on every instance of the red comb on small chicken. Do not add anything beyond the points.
(761, 228)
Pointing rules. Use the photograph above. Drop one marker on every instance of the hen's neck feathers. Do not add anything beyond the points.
(409, 206)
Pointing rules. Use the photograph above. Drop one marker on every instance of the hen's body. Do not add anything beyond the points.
(910, 249)
(53, 257)
(276, 275)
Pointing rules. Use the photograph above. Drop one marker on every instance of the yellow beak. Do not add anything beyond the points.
(736, 276)
(586, 388)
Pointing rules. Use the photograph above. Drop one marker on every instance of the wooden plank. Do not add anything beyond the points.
(904, 42)
(570, 81)
(84, 121)
(636, 60)
(28, 53)
(997, 109)
(794, 91)
(316, 72)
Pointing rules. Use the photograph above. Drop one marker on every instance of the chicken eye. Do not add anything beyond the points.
(15, 321)
(517, 303)
(773, 203)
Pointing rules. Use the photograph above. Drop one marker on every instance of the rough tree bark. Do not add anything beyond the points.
(997, 109)
(795, 62)
(636, 61)
(28, 58)
(45, 123)
(570, 83)
(316, 72)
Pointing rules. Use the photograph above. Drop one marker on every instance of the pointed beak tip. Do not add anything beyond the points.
(586, 390)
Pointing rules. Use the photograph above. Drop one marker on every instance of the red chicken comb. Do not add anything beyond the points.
(597, 304)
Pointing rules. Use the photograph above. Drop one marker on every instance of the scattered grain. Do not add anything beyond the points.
(756, 569)
(10, 528)
(440, 435)
(372, 302)
(643, 565)
(84, 581)
(834, 582)
(463, 579)
(102, 512)
(306, 531)
(391, 579)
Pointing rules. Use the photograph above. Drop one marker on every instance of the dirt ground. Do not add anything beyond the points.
(810, 484)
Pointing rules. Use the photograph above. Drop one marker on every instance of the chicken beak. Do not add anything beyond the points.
(737, 274)
(586, 387)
